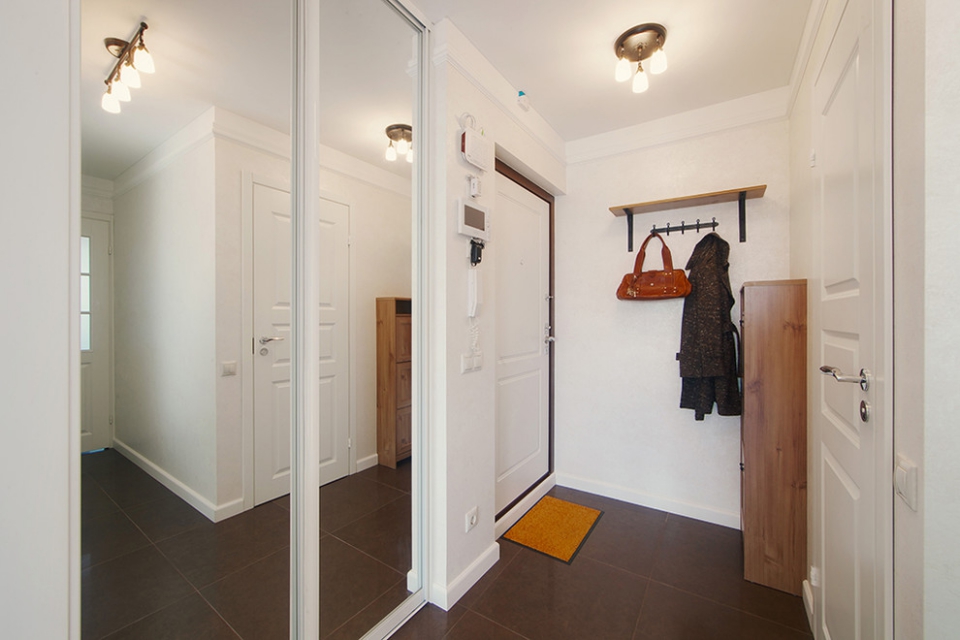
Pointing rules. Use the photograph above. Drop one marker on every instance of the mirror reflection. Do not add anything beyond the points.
(185, 530)
(368, 141)
(186, 237)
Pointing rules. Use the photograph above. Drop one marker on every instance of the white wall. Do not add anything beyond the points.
(39, 378)
(165, 314)
(941, 309)
(461, 446)
(619, 429)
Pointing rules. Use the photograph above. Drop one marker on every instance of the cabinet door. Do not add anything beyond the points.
(404, 430)
(404, 384)
(404, 338)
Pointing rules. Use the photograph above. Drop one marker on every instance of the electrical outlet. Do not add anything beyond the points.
(470, 519)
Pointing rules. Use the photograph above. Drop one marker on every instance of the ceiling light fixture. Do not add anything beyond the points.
(401, 142)
(132, 59)
(642, 42)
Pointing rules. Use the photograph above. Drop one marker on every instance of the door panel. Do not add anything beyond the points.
(522, 240)
(334, 282)
(96, 359)
(271, 319)
(851, 214)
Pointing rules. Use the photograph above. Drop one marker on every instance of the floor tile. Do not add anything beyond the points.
(430, 623)
(94, 503)
(383, 534)
(372, 614)
(399, 478)
(707, 560)
(108, 537)
(166, 517)
(474, 627)
(543, 598)
(628, 539)
(121, 591)
(349, 582)
(283, 502)
(351, 498)
(190, 617)
(130, 486)
(211, 552)
(669, 614)
(508, 551)
(597, 502)
(256, 600)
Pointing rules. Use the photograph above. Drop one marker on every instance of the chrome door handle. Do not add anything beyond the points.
(267, 339)
(863, 379)
(549, 339)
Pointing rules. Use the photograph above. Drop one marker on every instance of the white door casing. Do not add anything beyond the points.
(334, 279)
(853, 524)
(96, 355)
(271, 342)
(521, 235)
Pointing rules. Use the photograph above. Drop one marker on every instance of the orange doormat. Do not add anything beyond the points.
(555, 527)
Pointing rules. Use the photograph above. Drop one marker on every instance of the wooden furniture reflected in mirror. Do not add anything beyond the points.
(394, 406)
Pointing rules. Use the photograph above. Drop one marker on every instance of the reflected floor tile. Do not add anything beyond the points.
(351, 498)
(372, 614)
(190, 617)
(430, 623)
(474, 627)
(108, 537)
(166, 517)
(256, 600)
(383, 534)
(399, 478)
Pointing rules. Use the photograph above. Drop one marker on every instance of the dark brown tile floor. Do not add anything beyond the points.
(153, 567)
(642, 575)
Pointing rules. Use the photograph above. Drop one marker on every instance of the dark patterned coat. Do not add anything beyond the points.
(708, 353)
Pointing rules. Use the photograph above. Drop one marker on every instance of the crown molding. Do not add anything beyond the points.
(759, 107)
(96, 195)
(805, 50)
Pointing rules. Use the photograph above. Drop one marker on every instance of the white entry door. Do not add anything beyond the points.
(334, 282)
(521, 237)
(850, 445)
(96, 402)
(271, 342)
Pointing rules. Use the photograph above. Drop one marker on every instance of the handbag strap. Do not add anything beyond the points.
(664, 254)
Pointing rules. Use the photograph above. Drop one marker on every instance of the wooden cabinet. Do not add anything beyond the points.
(394, 388)
(773, 318)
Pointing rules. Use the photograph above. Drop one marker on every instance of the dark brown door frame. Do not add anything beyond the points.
(512, 174)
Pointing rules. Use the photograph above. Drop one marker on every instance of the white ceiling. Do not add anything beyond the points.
(235, 54)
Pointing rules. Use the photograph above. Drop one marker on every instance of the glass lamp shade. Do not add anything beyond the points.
(120, 90)
(129, 76)
(402, 146)
(391, 153)
(109, 102)
(410, 156)
(624, 68)
(658, 62)
(142, 59)
(640, 81)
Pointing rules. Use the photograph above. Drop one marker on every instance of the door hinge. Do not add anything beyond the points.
(813, 158)
(349, 241)
(349, 443)
(110, 249)
(111, 420)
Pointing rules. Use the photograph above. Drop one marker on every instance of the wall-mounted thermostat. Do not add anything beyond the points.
(476, 149)
(473, 220)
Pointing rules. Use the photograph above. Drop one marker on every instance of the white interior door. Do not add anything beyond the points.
(334, 282)
(271, 337)
(521, 235)
(849, 160)
(96, 366)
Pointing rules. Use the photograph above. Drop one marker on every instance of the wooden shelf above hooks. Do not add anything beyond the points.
(730, 195)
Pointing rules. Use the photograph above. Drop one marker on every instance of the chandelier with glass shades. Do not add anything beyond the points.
(634, 46)
(132, 60)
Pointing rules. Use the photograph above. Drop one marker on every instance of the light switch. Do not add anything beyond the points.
(228, 368)
(905, 480)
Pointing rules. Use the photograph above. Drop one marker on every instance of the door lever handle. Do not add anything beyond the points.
(863, 379)
(266, 339)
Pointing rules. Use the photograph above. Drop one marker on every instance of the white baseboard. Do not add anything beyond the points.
(695, 511)
(367, 463)
(445, 596)
(213, 512)
(510, 518)
(808, 602)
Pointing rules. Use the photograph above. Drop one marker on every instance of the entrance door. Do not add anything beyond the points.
(96, 428)
(271, 342)
(334, 341)
(851, 195)
(522, 241)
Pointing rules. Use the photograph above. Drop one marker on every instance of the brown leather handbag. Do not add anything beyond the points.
(654, 285)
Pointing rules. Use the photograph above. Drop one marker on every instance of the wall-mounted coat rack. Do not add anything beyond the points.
(715, 197)
(683, 227)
